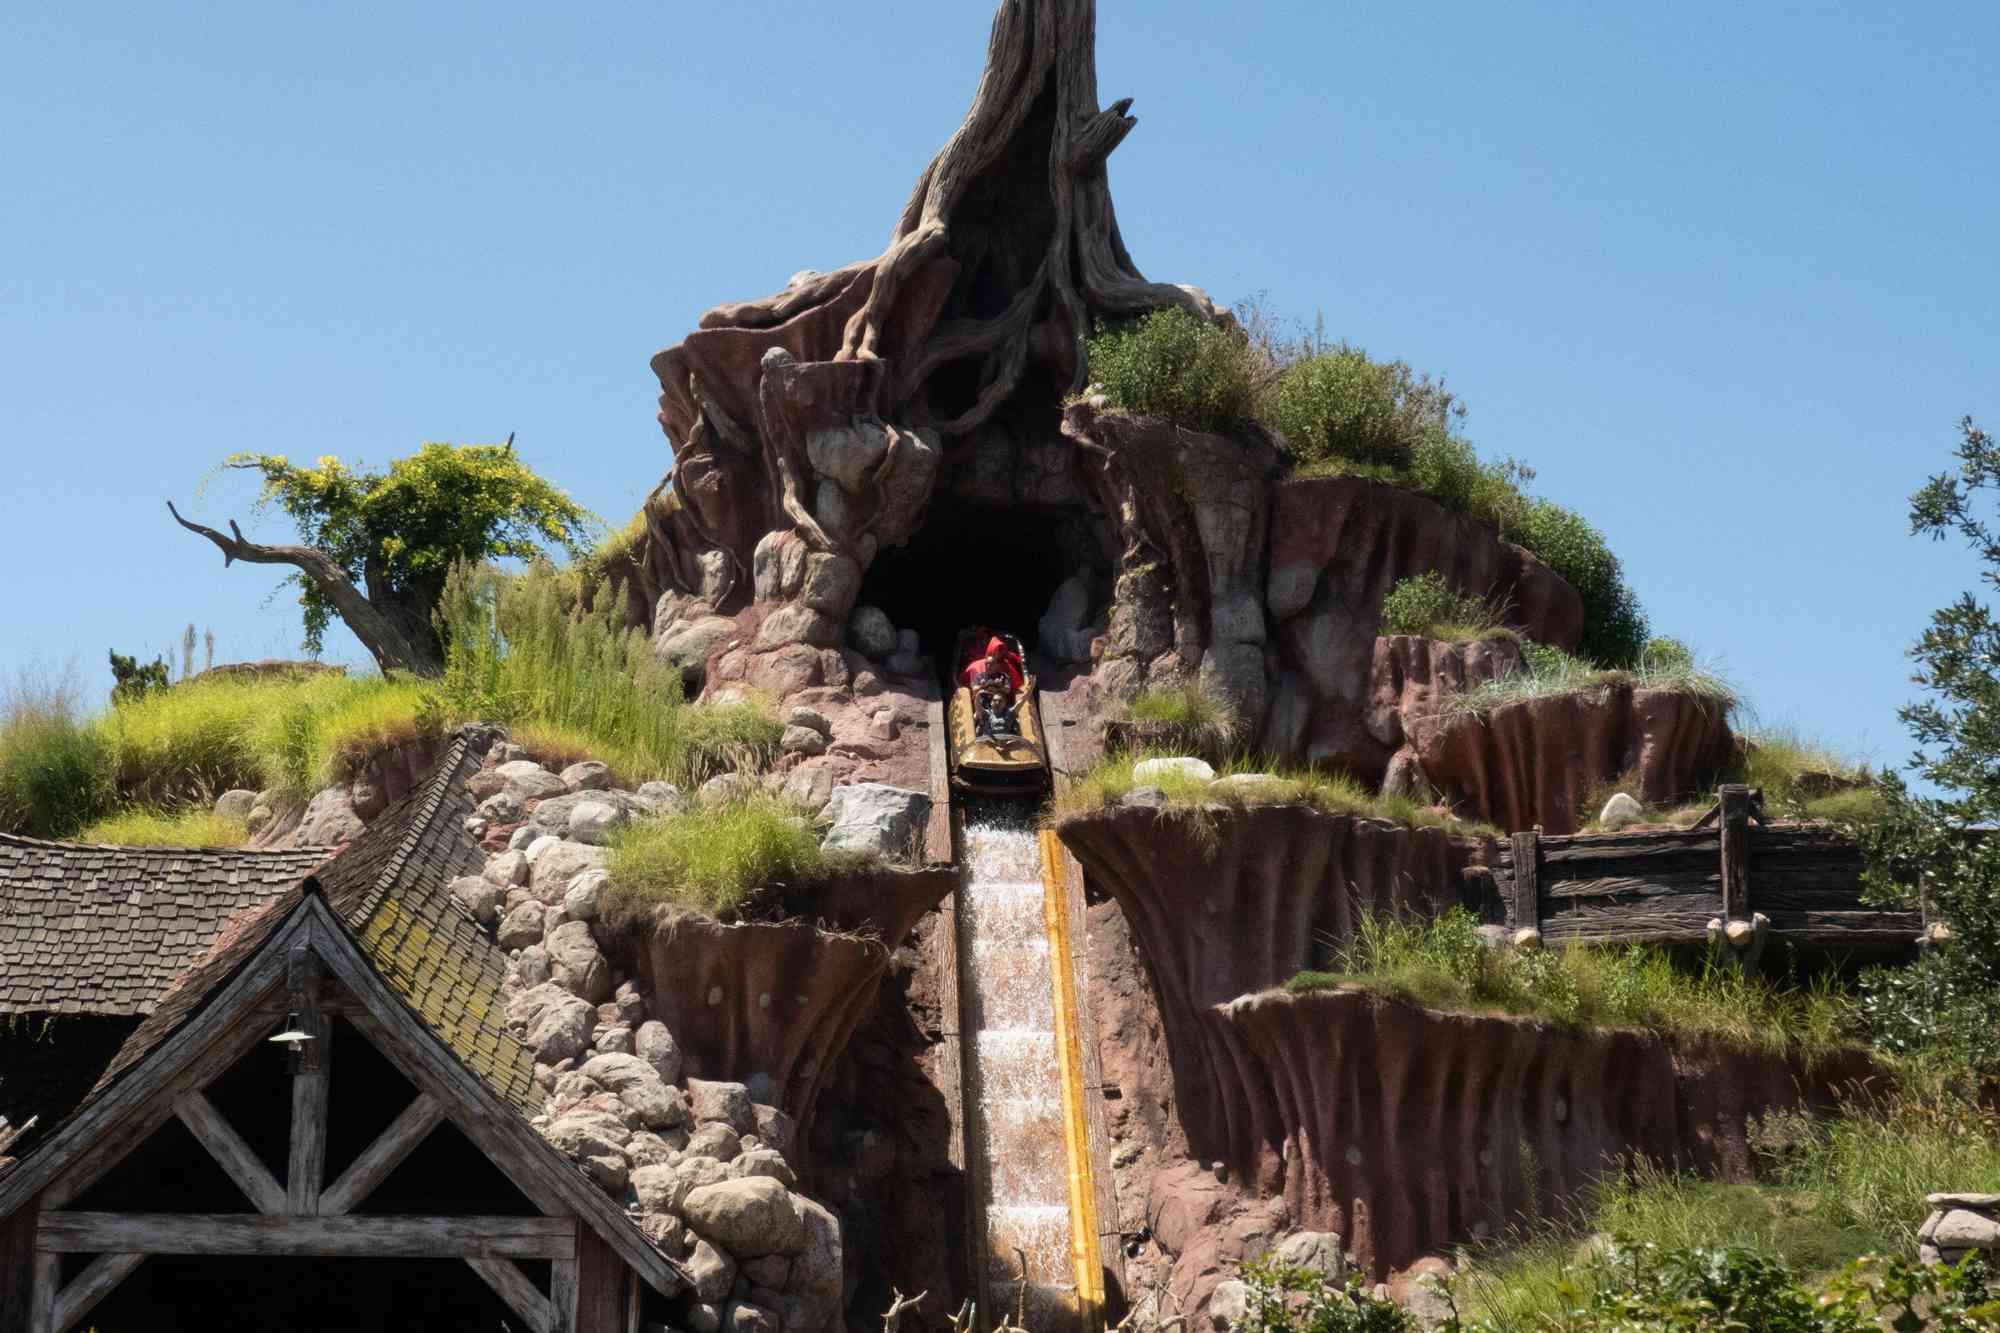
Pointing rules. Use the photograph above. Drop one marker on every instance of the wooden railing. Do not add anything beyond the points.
(1734, 878)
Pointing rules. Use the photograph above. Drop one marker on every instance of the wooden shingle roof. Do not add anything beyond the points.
(105, 930)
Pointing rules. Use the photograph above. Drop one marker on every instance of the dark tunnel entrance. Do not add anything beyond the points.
(977, 564)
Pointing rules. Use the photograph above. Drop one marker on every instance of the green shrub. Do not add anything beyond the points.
(1337, 404)
(55, 768)
(1427, 605)
(1444, 964)
(1175, 365)
(726, 862)
(1290, 1298)
(131, 681)
(1614, 628)
(154, 828)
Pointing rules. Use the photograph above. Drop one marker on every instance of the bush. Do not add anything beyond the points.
(1614, 628)
(1444, 964)
(1176, 365)
(1427, 605)
(1336, 404)
(1196, 721)
(1289, 1298)
(131, 681)
(55, 768)
(726, 863)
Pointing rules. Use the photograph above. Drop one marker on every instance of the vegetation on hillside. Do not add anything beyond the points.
(739, 860)
(1443, 963)
(1427, 605)
(569, 685)
(380, 545)
(1339, 411)
(1549, 671)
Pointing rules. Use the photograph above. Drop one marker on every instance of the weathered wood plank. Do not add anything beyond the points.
(1735, 799)
(92, 1285)
(42, 1300)
(305, 1174)
(512, 1286)
(383, 1156)
(937, 833)
(1524, 904)
(600, 1286)
(367, 1237)
(17, 1269)
(1625, 886)
(562, 1296)
(237, 1158)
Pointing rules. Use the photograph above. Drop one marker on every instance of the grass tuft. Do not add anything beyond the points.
(1548, 672)
(1445, 964)
(1429, 607)
(55, 767)
(155, 828)
(726, 862)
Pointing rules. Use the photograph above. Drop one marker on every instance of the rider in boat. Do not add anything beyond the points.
(995, 678)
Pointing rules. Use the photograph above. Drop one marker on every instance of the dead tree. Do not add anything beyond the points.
(1005, 256)
(397, 635)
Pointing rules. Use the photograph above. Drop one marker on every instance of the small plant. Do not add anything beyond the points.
(1428, 606)
(1291, 1298)
(152, 828)
(1190, 716)
(1549, 671)
(729, 862)
(1614, 628)
(1333, 404)
(1175, 365)
(132, 682)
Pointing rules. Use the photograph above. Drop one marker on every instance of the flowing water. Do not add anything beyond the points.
(1016, 1128)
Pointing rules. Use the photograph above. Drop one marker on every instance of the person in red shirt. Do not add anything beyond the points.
(995, 679)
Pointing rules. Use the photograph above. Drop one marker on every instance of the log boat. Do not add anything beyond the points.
(995, 752)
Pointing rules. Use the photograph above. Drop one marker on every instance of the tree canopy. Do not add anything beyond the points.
(378, 544)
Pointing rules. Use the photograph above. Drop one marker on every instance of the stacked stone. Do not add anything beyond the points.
(1960, 1224)
(702, 1165)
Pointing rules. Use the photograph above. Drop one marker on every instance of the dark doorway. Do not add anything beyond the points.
(974, 564)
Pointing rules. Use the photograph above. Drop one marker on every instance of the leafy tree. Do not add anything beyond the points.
(1926, 847)
(131, 682)
(378, 545)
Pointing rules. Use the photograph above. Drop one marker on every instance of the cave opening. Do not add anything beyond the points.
(976, 563)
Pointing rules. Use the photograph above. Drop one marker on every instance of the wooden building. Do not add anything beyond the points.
(307, 1110)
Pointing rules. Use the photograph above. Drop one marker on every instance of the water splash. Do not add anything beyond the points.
(1012, 1068)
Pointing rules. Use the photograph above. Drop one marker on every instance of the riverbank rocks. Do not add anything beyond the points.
(875, 817)
(750, 1217)
(1959, 1224)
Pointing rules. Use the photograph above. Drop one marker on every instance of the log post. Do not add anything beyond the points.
(1734, 799)
(1524, 903)
(306, 1170)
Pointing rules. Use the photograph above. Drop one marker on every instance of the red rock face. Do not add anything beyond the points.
(1259, 904)
(1338, 546)
(1407, 1130)
(1534, 762)
(782, 999)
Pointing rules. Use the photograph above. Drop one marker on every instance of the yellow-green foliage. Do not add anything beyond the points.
(1444, 964)
(154, 828)
(1330, 793)
(1777, 760)
(1173, 364)
(724, 862)
(1191, 714)
(55, 767)
(1427, 605)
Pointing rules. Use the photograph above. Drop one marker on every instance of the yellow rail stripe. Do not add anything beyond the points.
(1084, 1252)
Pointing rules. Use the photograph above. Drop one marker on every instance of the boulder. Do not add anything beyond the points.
(763, 1162)
(803, 740)
(1318, 1250)
(749, 1217)
(712, 1272)
(236, 805)
(664, 798)
(1229, 1306)
(590, 775)
(688, 644)
(1061, 631)
(587, 1134)
(872, 633)
(507, 869)
(817, 1267)
(809, 718)
(522, 927)
(875, 817)
(562, 1031)
(724, 789)
(743, 1317)
(1150, 771)
(594, 822)
(575, 961)
(503, 807)
(529, 967)
(654, 1044)
(639, 1087)
(774, 1127)
(480, 897)
(584, 899)
(559, 865)
(808, 788)
(716, 1140)
(724, 1103)
(329, 819)
(1619, 812)
(528, 780)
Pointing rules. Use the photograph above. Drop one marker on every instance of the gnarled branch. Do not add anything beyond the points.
(392, 649)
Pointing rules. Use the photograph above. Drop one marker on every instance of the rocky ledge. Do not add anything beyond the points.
(1534, 762)
(1227, 900)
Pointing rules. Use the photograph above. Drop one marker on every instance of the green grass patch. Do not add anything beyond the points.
(1829, 1191)
(1330, 793)
(156, 828)
(1548, 672)
(1188, 715)
(1443, 963)
(1428, 606)
(56, 768)
(742, 859)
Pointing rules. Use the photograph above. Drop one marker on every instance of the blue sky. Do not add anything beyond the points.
(1724, 273)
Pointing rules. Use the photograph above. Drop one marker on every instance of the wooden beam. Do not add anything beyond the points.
(367, 1237)
(92, 1285)
(383, 1156)
(305, 1173)
(600, 1286)
(42, 1302)
(17, 1269)
(227, 1147)
(512, 1286)
(562, 1296)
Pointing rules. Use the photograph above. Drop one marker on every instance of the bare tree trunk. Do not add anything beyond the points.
(389, 632)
